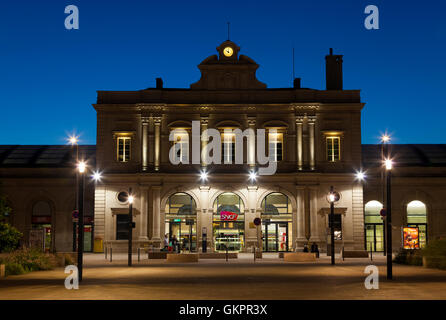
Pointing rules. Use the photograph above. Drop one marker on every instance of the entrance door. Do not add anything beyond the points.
(374, 237)
(275, 236)
(186, 234)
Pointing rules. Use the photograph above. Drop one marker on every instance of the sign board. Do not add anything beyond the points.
(411, 238)
(228, 216)
(383, 212)
(257, 221)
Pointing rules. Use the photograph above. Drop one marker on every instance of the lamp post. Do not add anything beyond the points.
(80, 239)
(333, 197)
(74, 141)
(389, 165)
(385, 138)
(130, 236)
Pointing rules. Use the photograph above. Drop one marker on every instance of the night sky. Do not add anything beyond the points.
(49, 75)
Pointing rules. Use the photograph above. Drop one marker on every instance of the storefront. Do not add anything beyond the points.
(373, 224)
(276, 223)
(41, 222)
(181, 221)
(228, 223)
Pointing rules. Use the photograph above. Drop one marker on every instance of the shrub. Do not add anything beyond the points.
(9, 237)
(435, 254)
(31, 259)
(409, 257)
(14, 268)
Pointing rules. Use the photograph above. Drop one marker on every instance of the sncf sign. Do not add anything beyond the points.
(228, 216)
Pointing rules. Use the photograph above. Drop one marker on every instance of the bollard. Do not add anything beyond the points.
(254, 254)
(139, 250)
(226, 253)
(105, 251)
(111, 254)
(371, 251)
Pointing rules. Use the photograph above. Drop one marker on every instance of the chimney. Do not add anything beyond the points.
(296, 83)
(333, 71)
(159, 83)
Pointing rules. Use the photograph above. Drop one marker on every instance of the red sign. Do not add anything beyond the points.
(228, 216)
(411, 238)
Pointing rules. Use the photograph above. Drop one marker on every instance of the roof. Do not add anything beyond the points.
(30, 156)
(407, 155)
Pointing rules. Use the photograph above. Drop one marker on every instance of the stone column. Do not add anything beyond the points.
(311, 122)
(204, 126)
(156, 215)
(299, 142)
(157, 121)
(314, 229)
(251, 145)
(144, 144)
(300, 215)
(144, 213)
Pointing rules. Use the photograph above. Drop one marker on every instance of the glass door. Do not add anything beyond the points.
(271, 237)
(374, 237)
(282, 233)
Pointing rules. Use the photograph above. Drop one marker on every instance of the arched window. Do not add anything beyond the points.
(228, 222)
(276, 204)
(181, 204)
(181, 221)
(417, 217)
(276, 222)
(374, 230)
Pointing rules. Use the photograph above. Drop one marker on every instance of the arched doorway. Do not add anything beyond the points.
(228, 222)
(276, 222)
(417, 218)
(41, 221)
(373, 224)
(181, 220)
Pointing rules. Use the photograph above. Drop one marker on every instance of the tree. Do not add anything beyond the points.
(9, 236)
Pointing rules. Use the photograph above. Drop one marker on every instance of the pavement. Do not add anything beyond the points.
(269, 278)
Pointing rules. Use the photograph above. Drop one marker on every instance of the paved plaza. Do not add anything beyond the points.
(242, 278)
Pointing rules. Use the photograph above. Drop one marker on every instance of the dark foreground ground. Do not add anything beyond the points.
(269, 278)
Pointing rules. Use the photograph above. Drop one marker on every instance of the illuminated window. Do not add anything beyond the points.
(333, 149)
(417, 218)
(123, 152)
(275, 146)
(181, 143)
(228, 147)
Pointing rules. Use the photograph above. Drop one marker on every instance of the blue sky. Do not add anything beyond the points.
(49, 75)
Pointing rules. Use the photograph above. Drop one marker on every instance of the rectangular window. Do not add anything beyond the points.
(181, 143)
(123, 152)
(333, 149)
(275, 146)
(122, 228)
(228, 147)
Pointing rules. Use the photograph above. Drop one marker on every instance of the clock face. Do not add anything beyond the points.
(228, 51)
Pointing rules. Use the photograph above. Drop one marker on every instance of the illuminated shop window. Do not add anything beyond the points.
(275, 146)
(417, 218)
(276, 223)
(123, 151)
(333, 148)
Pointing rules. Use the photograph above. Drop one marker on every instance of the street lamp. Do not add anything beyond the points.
(360, 176)
(130, 236)
(74, 141)
(389, 165)
(203, 175)
(332, 197)
(81, 166)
